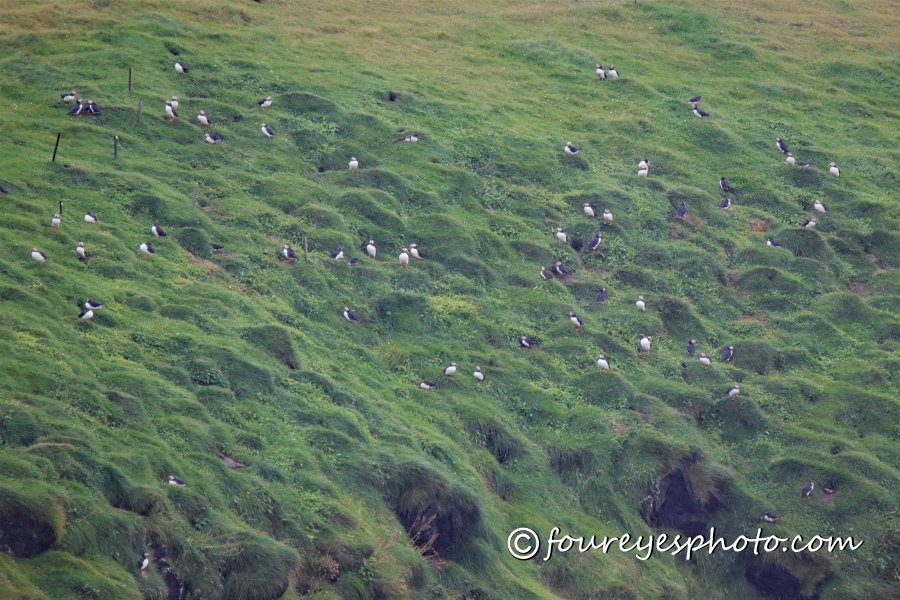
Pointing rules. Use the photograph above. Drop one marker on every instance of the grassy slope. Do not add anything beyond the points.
(180, 361)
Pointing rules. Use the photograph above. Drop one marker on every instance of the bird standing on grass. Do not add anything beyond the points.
(371, 250)
(601, 296)
(267, 131)
(705, 360)
(288, 254)
(789, 159)
(603, 363)
(353, 164)
(576, 321)
(607, 217)
(725, 204)
(175, 481)
(734, 390)
(808, 489)
(781, 146)
(645, 343)
(90, 218)
(692, 347)
(415, 252)
(478, 374)
(158, 231)
(180, 68)
(146, 248)
(265, 103)
(174, 102)
(349, 314)
(724, 184)
(588, 210)
(681, 211)
(613, 74)
(92, 304)
(38, 255)
(56, 221)
(80, 252)
(770, 517)
(818, 206)
(728, 354)
(427, 385)
(598, 69)
(570, 149)
(546, 273)
(212, 138)
(833, 169)
(144, 562)
(774, 243)
(202, 118)
(561, 270)
(595, 242)
(404, 258)
(528, 342)
(69, 96)
(338, 253)
(561, 235)
(809, 223)
(643, 168)
(450, 369)
(698, 112)
(641, 305)
(86, 314)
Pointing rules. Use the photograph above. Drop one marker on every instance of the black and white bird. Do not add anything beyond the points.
(69, 96)
(528, 342)
(478, 374)
(546, 273)
(601, 296)
(818, 206)
(692, 347)
(595, 242)
(588, 210)
(607, 217)
(146, 248)
(789, 159)
(774, 243)
(829, 488)
(175, 481)
(695, 99)
(681, 211)
(404, 258)
(427, 385)
(705, 360)
(38, 255)
(180, 68)
(86, 314)
(90, 218)
(561, 269)
(267, 131)
(781, 146)
(353, 164)
(734, 390)
(603, 363)
(598, 69)
(724, 184)
(144, 562)
(338, 253)
(349, 314)
(212, 138)
(410, 138)
(576, 321)
(92, 108)
(92, 304)
(80, 252)
(265, 103)
(808, 489)
(561, 235)
(79, 108)
(450, 369)
(158, 231)
(645, 343)
(174, 102)
(725, 204)
(833, 169)
(288, 254)
(371, 250)
(698, 112)
(612, 73)
(643, 168)
(570, 149)
(203, 119)
(56, 221)
(728, 354)
(809, 223)
(641, 305)
(415, 252)
(770, 517)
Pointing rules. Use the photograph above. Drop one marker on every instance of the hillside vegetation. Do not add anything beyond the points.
(358, 484)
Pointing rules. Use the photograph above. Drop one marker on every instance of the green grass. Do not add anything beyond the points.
(358, 484)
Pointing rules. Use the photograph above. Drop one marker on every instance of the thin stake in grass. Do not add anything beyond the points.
(305, 249)
(115, 147)
(129, 79)
(56, 147)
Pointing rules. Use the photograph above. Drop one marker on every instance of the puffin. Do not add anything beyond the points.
(598, 69)
(561, 269)
(202, 118)
(56, 221)
(90, 218)
(698, 112)
(695, 99)
(93, 108)
(833, 169)
(78, 108)
(180, 68)
(38, 255)
(175, 481)
(546, 273)
(174, 102)
(338, 253)
(353, 164)
(773, 242)
(69, 96)
(818, 206)
(92, 304)
(265, 103)
(724, 184)
(450, 369)
(415, 252)
(410, 138)
(705, 360)
(782, 146)
(645, 343)
(528, 342)
(728, 354)
(570, 149)
(607, 217)
(158, 231)
(809, 223)
(601, 296)
(288, 254)
(146, 248)
(725, 204)
(80, 252)
(478, 374)
(770, 517)
(808, 489)
(371, 250)
(692, 347)
(643, 168)
(595, 242)
(576, 321)
(404, 258)
(602, 363)
(349, 314)
(734, 390)
(588, 210)
(789, 159)
(170, 111)
(641, 306)
(561, 235)
(681, 211)
(144, 562)
(613, 74)
(86, 314)
(427, 385)
(829, 488)
(267, 131)
(212, 138)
